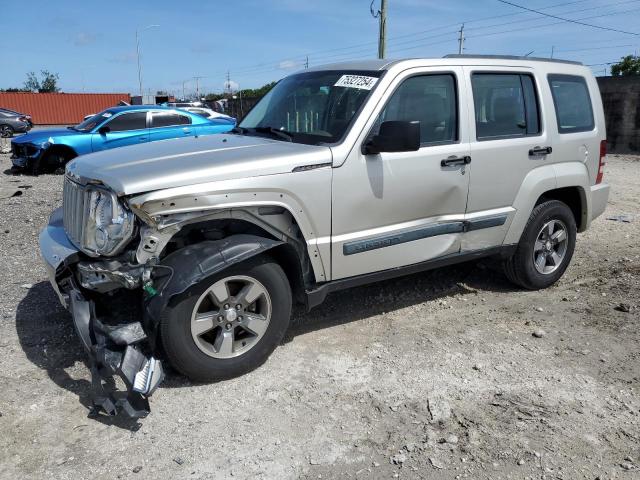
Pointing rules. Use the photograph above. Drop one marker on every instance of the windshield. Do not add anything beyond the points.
(93, 121)
(312, 107)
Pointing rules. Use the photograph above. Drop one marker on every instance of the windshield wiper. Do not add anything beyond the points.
(73, 128)
(288, 136)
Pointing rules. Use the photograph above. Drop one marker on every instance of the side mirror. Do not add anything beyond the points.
(104, 130)
(394, 136)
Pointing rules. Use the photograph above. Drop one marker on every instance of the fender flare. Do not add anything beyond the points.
(184, 268)
(545, 179)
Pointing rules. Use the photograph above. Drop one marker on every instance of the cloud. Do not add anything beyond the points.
(83, 39)
(231, 85)
(288, 64)
(127, 57)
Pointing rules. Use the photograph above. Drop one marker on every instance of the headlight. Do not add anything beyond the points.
(109, 224)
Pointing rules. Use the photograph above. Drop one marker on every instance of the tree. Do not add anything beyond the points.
(48, 82)
(629, 65)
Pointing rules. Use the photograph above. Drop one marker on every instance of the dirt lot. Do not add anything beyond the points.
(436, 375)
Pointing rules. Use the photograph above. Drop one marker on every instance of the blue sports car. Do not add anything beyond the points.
(51, 149)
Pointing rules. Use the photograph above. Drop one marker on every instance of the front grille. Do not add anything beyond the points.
(73, 208)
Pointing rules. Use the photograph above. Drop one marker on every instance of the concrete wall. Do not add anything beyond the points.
(621, 100)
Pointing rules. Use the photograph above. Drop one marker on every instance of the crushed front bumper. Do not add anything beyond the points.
(114, 349)
(25, 155)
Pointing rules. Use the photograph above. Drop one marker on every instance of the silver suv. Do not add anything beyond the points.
(340, 176)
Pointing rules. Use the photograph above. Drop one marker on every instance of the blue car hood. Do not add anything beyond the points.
(41, 136)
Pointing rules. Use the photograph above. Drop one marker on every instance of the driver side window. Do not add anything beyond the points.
(430, 100)
(128, 121)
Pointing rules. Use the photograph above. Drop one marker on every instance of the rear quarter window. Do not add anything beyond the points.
(572, 102)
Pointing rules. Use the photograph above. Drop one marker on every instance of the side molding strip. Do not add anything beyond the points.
(389, 240)
(383, 241)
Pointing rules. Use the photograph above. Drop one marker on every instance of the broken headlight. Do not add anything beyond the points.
(109, 224)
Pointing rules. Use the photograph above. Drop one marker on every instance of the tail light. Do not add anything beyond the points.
(24, 119)
(601, 162)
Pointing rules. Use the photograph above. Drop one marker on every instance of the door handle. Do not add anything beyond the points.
(540, 151)
(447, 162)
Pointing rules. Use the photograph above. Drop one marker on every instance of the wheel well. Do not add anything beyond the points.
(290, 256)
(64, 150)
(573, 197)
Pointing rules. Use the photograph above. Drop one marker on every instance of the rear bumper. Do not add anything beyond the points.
(114, 348)
(599, 199)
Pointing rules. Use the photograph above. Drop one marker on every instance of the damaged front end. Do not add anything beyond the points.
(105, 299)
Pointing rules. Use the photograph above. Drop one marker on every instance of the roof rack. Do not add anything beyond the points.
(512, 57)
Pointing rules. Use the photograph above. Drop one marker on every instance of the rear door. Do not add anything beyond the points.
(170, 124)
(127, 128)
(507, 142)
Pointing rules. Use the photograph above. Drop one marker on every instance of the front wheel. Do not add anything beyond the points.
(6, 131)
(545, 248)
(229, 324)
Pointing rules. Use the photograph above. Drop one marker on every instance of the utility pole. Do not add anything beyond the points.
(553, 49)
(138, 33)
(382, 35)
(461, 40)
(229, 82)
(306, 62)
(197, 79)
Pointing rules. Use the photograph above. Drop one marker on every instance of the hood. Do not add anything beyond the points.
(46, 135)
(193, 160)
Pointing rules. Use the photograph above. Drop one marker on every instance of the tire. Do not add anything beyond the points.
(51, 162)
(533, 265)
(197, 356)
(6, 131)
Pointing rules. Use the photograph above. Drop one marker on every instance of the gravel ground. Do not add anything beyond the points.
(447, 374)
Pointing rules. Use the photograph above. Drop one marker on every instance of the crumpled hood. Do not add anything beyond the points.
(193, 160)
(40, 136)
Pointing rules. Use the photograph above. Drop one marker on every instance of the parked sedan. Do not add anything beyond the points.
(13, 122)
(51, 149)
(207, 113)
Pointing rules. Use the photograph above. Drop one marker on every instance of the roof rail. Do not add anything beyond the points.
(512, 57)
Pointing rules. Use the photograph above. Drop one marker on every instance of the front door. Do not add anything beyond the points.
(396, 209)
(127, 128)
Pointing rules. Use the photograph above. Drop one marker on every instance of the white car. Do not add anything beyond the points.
(207, 112)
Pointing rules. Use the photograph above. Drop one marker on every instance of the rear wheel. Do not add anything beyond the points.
(228, 324)
(545, 248)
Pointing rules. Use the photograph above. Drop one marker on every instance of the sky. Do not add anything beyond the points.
(92, 45)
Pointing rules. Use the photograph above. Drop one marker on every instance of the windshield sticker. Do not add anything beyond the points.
(356, 81)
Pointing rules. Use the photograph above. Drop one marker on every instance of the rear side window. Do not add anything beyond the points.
(572, 102)
(506, 105)
(128, 121)
(169, 119)
(430, 100)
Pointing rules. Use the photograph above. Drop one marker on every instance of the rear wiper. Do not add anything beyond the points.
(288, 136)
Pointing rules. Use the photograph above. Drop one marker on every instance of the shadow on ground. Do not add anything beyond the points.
(48, 338)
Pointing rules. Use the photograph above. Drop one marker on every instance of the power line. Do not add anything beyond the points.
(568, 19)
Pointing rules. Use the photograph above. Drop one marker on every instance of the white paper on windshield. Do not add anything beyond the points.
(356, 81)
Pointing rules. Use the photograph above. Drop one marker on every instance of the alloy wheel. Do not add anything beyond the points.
(550, 247)
(231, 317)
